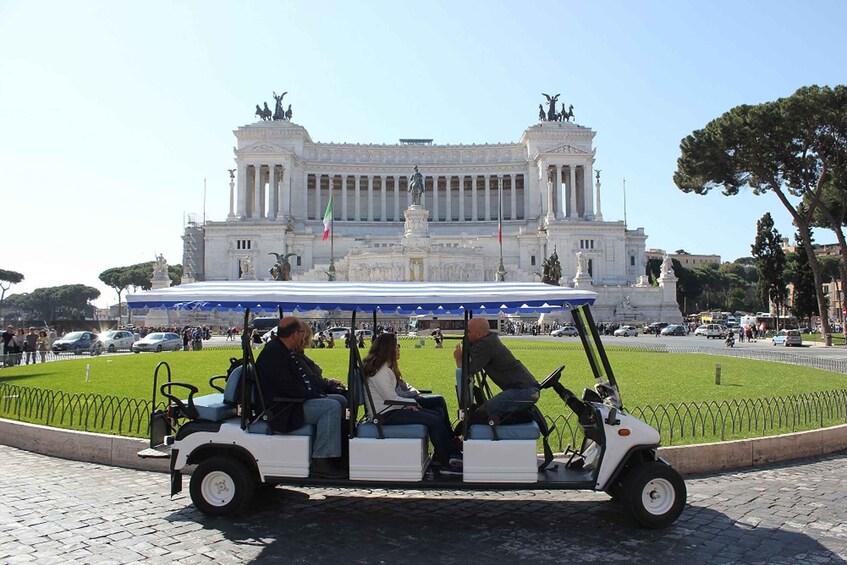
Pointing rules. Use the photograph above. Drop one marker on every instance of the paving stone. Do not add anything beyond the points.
(795, 513)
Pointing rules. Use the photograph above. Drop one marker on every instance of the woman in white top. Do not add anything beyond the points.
(382, 376)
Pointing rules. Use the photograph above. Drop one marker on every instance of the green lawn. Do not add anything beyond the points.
(646, 379)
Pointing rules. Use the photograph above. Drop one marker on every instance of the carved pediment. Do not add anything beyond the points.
(567, 149)
(262, 148)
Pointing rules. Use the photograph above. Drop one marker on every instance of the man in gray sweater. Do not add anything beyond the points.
(487, 353)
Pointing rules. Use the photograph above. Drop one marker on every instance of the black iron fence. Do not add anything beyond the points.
(683, 423)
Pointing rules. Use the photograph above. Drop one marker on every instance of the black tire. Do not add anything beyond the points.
(221, 486)
(77, 350)
(158, 349)
(112, 348)
(654, 493)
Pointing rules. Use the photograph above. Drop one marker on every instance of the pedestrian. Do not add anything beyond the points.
(30, 343)
(42, 345)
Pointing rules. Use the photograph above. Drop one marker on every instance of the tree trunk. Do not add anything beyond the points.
(823, 312)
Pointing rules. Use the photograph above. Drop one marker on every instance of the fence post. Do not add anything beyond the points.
(717, 373)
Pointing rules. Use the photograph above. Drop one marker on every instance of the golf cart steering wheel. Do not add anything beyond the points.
(552, 379)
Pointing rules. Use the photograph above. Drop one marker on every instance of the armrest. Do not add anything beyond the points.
(424, 391)
(213, 382)
(190, 411)
(401, 402)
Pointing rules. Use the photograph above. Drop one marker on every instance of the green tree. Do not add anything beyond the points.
(804, 304)
(10, 278)
(770, 262)
(790, 147)
(56, 303)
(136, 276)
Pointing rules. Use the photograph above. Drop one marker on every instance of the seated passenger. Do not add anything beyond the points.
(382, 376)
(282, 373)
(489, 354)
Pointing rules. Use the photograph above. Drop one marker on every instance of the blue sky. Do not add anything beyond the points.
(113, 113)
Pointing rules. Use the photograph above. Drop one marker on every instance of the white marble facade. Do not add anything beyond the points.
(544, 183)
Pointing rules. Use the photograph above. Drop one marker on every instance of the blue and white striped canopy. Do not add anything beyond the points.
(387, 297)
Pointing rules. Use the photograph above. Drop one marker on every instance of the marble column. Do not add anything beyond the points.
(434, 198)
(272, 192)
(282, 197)
(474, 208)
(396, 216)
(382, 200)
(242, 191)
(514, 194)
(357, 209)
(487, 216)
(598, 214)
(319, 214)
(257, 192)
(448, 207)
(370, 198)
(343, 198)
(574, 213)
(588, 188)
(461, 198)
(561, 201)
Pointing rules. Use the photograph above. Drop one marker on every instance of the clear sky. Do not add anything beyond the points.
(113, 113)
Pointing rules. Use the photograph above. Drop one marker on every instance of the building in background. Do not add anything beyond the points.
(541, 193)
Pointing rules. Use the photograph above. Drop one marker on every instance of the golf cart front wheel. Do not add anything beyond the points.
(654, 493)
(221, 486)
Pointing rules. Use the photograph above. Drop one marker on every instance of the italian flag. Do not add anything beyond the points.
(327, 219)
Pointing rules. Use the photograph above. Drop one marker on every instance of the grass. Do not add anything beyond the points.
(645, 379)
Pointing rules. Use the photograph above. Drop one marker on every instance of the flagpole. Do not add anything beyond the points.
(331, 273)
(501, 270)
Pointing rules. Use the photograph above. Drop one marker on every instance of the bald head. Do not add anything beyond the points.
(477, 329)
(287, 329)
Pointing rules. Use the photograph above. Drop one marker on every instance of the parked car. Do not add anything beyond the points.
(77, 343)
(368, 334)
(626, 331)
(674, 329)
(337, 332)
(158, 341)
(567, 331)
(655, 327)
(788, 337)
(716, 331)
(113, 340)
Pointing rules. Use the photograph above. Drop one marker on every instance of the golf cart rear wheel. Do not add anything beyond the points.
(220, 486)
(654, 493)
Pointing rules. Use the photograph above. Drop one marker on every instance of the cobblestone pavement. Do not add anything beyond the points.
(57, 511)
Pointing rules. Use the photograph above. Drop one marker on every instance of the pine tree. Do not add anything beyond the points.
(770, 262)
(805, 302)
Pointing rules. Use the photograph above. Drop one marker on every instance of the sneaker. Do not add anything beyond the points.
(456, 461)
(449, 470)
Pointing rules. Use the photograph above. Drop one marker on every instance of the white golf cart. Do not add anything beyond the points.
(227, 438)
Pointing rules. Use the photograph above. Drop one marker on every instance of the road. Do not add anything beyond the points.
(57, 511)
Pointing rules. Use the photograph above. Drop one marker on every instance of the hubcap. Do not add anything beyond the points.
(218, 488)
(658, 496)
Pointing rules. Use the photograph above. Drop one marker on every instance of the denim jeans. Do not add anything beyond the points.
(439, 434)
(326, 414)
(511, 400)
(435, 403)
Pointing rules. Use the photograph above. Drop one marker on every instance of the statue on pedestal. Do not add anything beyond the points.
(551, 109)
(416, 186)
(245, 265)
(160, 267)
(281, 271)
(279, 113)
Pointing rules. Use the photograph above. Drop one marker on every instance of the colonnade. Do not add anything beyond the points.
(265, 192)
(449, 197)
(572, 196)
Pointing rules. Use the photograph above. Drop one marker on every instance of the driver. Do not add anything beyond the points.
(489, 354)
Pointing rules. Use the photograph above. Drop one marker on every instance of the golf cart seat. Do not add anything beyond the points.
(528, 430)
(385, 452)
(218, 406)
(499, 452)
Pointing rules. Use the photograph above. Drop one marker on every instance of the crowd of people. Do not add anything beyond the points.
(26, 346)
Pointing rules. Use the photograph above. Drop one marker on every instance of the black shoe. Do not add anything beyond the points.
(323, 469)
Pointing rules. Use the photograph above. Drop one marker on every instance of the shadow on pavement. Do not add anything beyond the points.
(293, 527)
